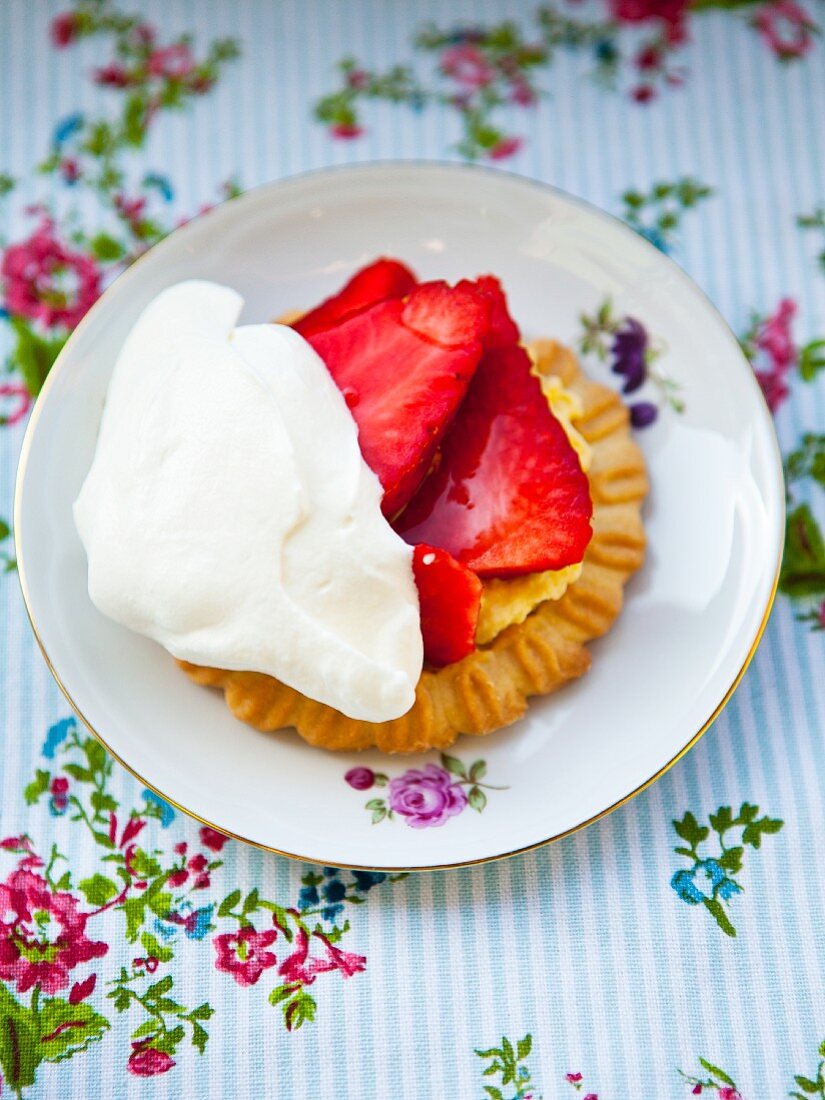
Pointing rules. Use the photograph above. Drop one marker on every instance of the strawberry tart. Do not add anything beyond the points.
(386, 523)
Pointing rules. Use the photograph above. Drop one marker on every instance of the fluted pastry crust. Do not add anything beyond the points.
(490, 688)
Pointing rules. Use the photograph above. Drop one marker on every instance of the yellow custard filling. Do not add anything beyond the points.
(505, 602)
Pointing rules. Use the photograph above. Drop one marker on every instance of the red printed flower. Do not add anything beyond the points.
(772, 335)
(46, 281)
(467, 65)
(177, 878)
(174, 62)
(669, 12)
(19, 393)
(211, 838)
(506, 147)
(786, 28)
(113, 75)
(197, 862)
(64, 29)
(147, 1062)
(243, 953)
(81, 990)
(42, 935)
(346, 130)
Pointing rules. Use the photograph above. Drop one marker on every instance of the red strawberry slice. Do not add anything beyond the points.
(508, 495)
(450, 598)
(377, 282)
(404, 368)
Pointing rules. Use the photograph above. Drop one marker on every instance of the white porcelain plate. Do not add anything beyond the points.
(692, 616)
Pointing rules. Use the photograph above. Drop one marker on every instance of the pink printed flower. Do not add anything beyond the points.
(148, 1062)
(505, 148)
(302, 968)
(360, 779)
(42, 935)
(346, 963)
(211, 838)
(64, 28)
(243, 953)
(113, 75)
(728, 1093)
(177, 878)
(346, 130)
(197, 862)
(70, 170)
(130, 830)
(787, 29)
(773, 387)
(774, 336)
(521, 92)
(573, 1078)
(174, 62)
(46, 281)
(696, 1090)
(18, 392)
(426, 797)
(467, 66)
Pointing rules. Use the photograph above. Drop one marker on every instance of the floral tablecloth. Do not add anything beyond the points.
(675, 948)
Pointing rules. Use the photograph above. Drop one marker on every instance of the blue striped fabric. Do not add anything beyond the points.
(584, 945)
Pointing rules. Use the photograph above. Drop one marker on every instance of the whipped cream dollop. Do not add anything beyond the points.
(229, 515)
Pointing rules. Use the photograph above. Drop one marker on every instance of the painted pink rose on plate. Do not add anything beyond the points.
(426, 797)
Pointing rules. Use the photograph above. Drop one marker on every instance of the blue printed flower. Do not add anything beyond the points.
(334, 891)
(629, 354)
(161, 184)
(166, 814)
(196, 923)
(66, 128)
(706, 880)
(606, 51)
(56, 735)
(308, 897)
(330, 912)
(655, 236)
(365, 880)
(330, 872)
(727, 889)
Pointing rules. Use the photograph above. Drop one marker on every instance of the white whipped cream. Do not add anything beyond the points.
(228, 513)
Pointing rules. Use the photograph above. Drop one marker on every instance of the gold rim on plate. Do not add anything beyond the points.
(27, 442)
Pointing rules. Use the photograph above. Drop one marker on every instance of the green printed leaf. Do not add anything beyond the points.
(493, 1068)
(202, 1012)
(135, 909)
(5, 530)
(453, 765)
(167, 1041)
(97, 890)
(148, 1027)
(478, 771)
(121, 997)
(731, 860)
(78, 772)
(753, 833)
(375, 804)
(104, 839)
(298, 1011)
(806, 1084)
(153, 946)
(200, 1037)
(493, 1092)
(20, 1049)
(747, 813)
(378, 816)
(107, 248)
(717, 911)
(66, 1029)
(812, 360)
(250, 902)
(102, 802)
(803, 562)
(157, 989)
(477, 799)
(34, 355)
(722, 819)
(38, 786)
(690, 830)
(95, 754)
(229, 903)
(720, 1076)
(524, 1047)
(281, 993)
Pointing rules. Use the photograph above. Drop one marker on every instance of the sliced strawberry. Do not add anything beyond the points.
(377, 282)
(450, 597)
(404, 368)
(508, 495)
(448, 315)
